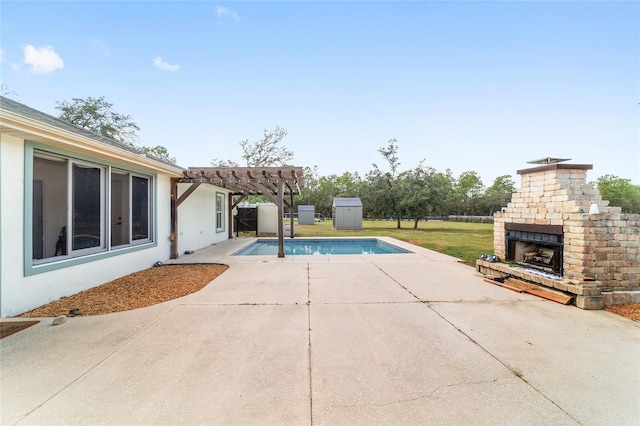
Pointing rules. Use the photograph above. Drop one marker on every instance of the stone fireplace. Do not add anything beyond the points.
(559, 233)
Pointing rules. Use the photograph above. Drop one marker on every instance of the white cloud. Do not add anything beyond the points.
(223, 11)
(162, 65)
(43, 60)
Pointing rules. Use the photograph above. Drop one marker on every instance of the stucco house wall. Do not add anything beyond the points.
(199, 223)
(31, 276)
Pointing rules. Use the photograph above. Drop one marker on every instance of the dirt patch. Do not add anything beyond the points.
(143, 288)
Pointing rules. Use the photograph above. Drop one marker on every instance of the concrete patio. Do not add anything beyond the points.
(329, 340)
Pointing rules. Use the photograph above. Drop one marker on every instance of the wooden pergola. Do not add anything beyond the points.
(278, 184)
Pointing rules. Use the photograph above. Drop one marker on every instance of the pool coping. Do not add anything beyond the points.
(223, 253)
(378, 241)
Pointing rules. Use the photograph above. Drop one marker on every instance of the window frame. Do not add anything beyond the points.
(75, 257)
(220, 224)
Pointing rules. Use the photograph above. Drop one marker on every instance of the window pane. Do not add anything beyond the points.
(50, 198)
(86, 207)
(139, 208)
(120, 218)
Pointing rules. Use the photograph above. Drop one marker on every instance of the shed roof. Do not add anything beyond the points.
(347, 202)
(306, 208)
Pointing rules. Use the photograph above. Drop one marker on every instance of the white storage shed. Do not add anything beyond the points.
(347, 213)
(306, 215)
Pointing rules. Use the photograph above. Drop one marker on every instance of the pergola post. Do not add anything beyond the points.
(174, 219)
(291, 214)
(231, 221)
(280, 219)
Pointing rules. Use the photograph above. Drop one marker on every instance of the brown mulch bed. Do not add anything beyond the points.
(143, 288)
(631, 311)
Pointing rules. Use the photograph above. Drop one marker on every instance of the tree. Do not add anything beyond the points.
(308, 194)
(620, 193)
(424, 192)
(223, 163)
(383, 189)
(442, 185)
(96, 115)
(415, 192)
(320, 191)
(6, 91)
(267, 151)
(499, 194)
(468, 188)
(160, 152)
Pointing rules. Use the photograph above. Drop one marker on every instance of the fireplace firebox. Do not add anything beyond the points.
(535, 246)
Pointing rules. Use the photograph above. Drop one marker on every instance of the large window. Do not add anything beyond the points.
(81, 208)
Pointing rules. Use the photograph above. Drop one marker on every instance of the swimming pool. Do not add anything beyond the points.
(309, 246)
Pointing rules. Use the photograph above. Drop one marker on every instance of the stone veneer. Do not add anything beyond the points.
(600, 249)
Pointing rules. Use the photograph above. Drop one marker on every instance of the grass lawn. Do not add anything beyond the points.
(465, 241)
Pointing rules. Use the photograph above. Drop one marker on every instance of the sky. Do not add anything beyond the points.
(461, 85)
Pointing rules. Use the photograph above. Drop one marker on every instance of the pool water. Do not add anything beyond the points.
(306, 246)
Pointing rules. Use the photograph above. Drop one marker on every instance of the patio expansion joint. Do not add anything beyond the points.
(396, 281)
(309, 349)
